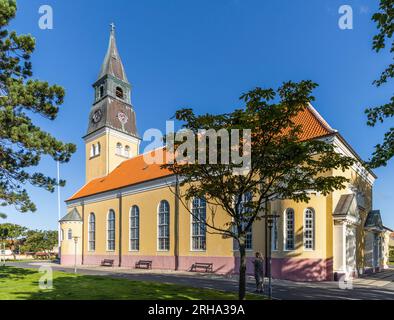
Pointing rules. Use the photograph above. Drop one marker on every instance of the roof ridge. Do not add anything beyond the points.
(320, 118)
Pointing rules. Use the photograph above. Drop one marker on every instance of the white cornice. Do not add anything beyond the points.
(344, 150)
(125, 191)
(110, 131)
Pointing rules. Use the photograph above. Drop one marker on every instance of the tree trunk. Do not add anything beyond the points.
(242, 272)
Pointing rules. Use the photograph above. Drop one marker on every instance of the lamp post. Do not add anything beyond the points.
(75, 253)
(270, 219)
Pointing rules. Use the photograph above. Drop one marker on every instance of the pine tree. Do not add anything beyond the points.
(22, 143)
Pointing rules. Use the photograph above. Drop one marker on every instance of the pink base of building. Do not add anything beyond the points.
(285, 268)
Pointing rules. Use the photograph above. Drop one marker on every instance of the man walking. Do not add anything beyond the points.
(259, 272)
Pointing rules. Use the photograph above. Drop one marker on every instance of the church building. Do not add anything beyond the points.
(127, 211)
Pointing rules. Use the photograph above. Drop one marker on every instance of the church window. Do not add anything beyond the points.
(95, 150)
(101, 91)
(119, 92)
(243, 209)
(274, 234)
(164, 226)
(198, 224)
(289, 229)
(309, 226)
(70, 234)
(92, 232)
(111, 231)
(127, 151)
(119, 149)
(134, 228)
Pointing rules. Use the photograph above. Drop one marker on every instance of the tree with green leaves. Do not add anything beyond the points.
(385, 23)
(11, 235)
(22, 143)
(283, 166)
(3, 216)
(40, 241)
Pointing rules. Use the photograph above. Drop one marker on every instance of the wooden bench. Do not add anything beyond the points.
(107, 263)
(143, 264)
(198, 265)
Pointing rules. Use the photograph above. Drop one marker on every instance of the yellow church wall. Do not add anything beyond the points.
(114, 159)
(148, 204)
(101, 209)
(68, 245)
(319, 204)
(216, 245)
(96, 166)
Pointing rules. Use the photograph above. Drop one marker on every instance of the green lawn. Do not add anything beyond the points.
(23, 284)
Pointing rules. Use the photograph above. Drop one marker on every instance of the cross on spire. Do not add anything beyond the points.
(112, 27)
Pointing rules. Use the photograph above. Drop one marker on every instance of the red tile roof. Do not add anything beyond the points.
(135, 170)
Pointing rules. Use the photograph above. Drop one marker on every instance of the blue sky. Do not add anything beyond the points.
(204, 54)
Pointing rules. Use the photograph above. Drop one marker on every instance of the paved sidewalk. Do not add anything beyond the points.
(376, 287)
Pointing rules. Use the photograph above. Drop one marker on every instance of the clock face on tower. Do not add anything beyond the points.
(97, 116)
(122, 118)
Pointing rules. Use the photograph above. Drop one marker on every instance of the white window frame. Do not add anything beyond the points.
(248, 233)
(312, 229)
(127, 151)
(285, 230)
(198, 222)
(98, 149)
(107, 231)
(275, 234)
(119, 149)
(136, 227)
(161, 225)
(90, 231)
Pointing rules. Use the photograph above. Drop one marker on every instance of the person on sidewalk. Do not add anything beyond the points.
(259, 272)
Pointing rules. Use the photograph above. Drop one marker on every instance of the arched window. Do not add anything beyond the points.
(92, 232)
(164, 226)
(119, 92)
(289, 229)
(127, 151)
(111, 231)
(244, 209)
(134, 228)
(274, 234)
(70, 234)
(119, 149)
(98, 148)
(309, 229)
(199, 210)
(92, 150)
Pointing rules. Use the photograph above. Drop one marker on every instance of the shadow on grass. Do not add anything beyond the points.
(84, 287)
(10, 273)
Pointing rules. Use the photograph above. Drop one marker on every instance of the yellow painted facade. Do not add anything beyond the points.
(100, 164)
(338, 237)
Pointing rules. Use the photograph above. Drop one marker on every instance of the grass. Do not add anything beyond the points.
(23, 284)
